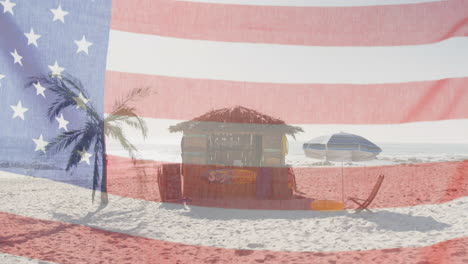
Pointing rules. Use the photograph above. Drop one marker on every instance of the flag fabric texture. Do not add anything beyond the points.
(394, 70)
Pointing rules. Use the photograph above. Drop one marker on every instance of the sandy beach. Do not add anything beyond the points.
(419, 217)
(30, 203)
(404, 185)
(12, 259)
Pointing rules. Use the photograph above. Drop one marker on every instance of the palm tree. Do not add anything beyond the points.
(69, 92)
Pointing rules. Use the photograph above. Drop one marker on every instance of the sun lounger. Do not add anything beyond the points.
(363, 204)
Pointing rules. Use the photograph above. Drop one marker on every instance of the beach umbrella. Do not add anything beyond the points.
(341, 147)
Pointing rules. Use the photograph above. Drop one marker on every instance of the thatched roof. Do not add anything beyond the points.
(234, 120)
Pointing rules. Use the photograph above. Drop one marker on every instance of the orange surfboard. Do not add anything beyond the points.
(326, 205)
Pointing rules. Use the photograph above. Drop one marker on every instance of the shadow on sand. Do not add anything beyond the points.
(391, 221)
(399, 222)
(385, 220)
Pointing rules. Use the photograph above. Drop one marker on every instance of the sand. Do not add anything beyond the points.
(57, 222)
(404, 185)
(238, 229)
(12, 259)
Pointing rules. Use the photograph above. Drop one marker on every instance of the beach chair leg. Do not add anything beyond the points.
(360, 210)
(354, 200)
(367, 209)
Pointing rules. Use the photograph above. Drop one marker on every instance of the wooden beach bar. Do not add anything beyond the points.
(235, 153)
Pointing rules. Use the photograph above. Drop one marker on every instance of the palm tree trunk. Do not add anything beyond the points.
(104, 197)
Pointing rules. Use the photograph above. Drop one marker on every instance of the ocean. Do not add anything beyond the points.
(28, 162)
(392, 154)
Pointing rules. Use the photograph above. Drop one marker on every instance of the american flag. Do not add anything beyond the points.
(393, 69)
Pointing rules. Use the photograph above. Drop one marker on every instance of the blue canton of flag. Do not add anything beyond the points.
(42, 37)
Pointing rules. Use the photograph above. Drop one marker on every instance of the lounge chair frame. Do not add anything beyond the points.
(364, 203)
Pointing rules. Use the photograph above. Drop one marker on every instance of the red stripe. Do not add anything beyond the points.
(404, 185)
(326, 26)
(184, 99)
(69, 243)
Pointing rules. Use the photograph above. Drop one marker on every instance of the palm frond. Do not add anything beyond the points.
(63, 92)
(90, 134)
(139, 124)
(66, 89)
(74, 83)
(93, 114)
(116, 132)
(132, 96)
(43, 79)
(65, 139)
(128, 116)
(58, 106)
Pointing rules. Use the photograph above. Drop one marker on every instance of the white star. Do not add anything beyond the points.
(7, 6)
(39, 89)
(19, 110)
(85, 156)
(56, 69)
(83, 45)
(40, 144)
(32, 37)
(16, 57)
(1, 77)
(81, 101)
(62, 122)
(59, 14)
(84, 99)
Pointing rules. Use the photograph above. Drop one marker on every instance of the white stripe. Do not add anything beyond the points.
(12, 259)
(318, 3)
(161, 145)
(273, 63)
(416, 226)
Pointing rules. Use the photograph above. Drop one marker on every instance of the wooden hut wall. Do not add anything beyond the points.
(274, 157)
(204, 154)
(273, 150)
(280, 184)
(194, 148)
(218, 152)
(197, 183)
(234, 149)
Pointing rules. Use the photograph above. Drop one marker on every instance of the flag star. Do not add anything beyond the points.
(62, 122)
(84, 99)
(7, 6)
(19, 110)
(16, 58)
(56, 69)
(1, 77)
(32, 37)
(83, 45)
(59, 14)
(81, 101)
(40, 144)
(39, 89)
(85, 156)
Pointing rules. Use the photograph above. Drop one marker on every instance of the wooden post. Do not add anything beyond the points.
(170, 182)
